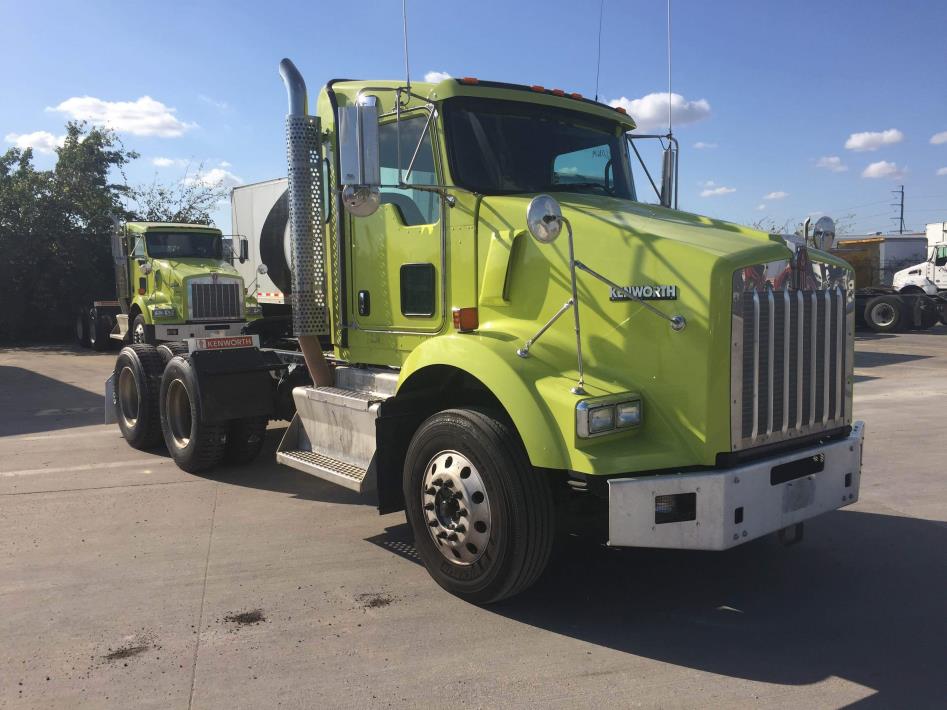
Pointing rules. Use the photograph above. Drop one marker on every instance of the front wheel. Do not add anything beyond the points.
(482, 518)
(139, 332)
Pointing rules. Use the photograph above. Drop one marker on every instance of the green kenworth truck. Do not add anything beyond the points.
(172, 281)
(499, 325)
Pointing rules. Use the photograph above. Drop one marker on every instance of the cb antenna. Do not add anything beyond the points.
(598, 63)
(404, 24)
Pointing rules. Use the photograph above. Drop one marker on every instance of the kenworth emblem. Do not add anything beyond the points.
(645, 293)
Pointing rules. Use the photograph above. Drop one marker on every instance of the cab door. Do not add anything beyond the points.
(940, 267)
(397, 283)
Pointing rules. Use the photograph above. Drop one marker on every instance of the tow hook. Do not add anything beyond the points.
(791, 535)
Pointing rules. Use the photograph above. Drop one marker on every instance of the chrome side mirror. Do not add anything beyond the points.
(359, 156)
(668, 164)
(244, 249)
(544, 219)
(823, 235)
(261, 269)
(146, 268)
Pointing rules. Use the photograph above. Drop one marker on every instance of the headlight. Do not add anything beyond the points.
(603, 415)
(164, 312)
(254, 310)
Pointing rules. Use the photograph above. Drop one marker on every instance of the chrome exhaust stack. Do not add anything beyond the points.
(306, 225)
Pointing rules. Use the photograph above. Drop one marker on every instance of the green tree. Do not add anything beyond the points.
(54, 231)
(191, 200)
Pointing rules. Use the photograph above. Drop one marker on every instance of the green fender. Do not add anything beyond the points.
(513, 382)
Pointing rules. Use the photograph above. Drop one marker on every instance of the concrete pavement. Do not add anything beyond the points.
(125, 582)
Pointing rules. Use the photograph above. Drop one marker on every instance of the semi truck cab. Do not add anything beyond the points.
(499, 323)
(929, 277)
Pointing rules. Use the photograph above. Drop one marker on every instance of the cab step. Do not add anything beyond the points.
(321, 466)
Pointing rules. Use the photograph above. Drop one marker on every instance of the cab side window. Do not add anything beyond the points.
(138, 247)
(940, 257)
(414, 206)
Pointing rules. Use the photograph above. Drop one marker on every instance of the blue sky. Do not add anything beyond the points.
(773, 90)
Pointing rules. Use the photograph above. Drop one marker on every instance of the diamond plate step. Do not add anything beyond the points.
(339, 472)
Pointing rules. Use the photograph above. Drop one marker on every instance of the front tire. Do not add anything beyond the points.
(482, 518)
(194, 445)
(139, 331)
(136, 377)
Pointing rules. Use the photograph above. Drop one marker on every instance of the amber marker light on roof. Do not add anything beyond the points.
(538, 88)
(470, 80)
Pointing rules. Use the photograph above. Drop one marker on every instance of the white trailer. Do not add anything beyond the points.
(259, 212)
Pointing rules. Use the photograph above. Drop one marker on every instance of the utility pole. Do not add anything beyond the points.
(900, 204)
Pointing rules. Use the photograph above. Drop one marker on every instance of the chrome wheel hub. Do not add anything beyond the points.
(128, 398)
(883, 314)
(139, 335)
(456, 508)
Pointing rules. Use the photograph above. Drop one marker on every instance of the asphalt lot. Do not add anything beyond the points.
(125, 582)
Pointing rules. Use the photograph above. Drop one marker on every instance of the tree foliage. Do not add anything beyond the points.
(191, 200)
(54, 230)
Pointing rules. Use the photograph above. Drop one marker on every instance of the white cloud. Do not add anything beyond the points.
(435, 77)
(143, 117)
(40, 141)
(215, 177)
(777, 195)
(942, 171)
(873, 140)
(700, 145)
(939, 138)
(168, 162)
(224, 164)
(831, 162)
(883, 169)
(651, 112)
(712, 189)
(761, 207)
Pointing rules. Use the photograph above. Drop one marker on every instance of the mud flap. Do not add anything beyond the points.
(110, 400)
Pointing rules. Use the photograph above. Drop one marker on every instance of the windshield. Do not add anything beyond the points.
(184, 245)
(503, 147)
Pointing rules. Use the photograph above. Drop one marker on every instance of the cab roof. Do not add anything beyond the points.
(470, 86)
(140, 227)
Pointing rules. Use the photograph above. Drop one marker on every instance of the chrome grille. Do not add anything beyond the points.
(213, 301)
(789, 365)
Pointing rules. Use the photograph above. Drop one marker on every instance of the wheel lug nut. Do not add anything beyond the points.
(462, 513)
(442, 534)
(449, 483)
(429, 506)
(430, 491)
(452, 537)
(460, 528)
(458, 496)
(437, 482)
(433, 524)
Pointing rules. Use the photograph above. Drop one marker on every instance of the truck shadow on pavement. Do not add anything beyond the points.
(34, 403)
(861, 599)
(864, 358)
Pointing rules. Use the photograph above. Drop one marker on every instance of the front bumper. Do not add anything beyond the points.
(181, 331)
(729, 507)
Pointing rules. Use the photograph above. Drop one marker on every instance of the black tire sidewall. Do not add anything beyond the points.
(141, 435)
(194, 456)
(451, 430)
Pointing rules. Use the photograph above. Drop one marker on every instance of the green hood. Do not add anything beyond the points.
(626, 348)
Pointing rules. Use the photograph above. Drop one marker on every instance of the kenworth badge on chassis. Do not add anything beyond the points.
(492, 327)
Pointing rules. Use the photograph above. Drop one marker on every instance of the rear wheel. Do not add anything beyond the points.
(482, 518)
(82, 328)
(245, 438)
(100, 325)
(194, 445)
(883, 314)
(169, 350)
(136, 377)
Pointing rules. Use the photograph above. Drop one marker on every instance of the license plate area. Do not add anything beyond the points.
(798, 494)
(800, 468)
